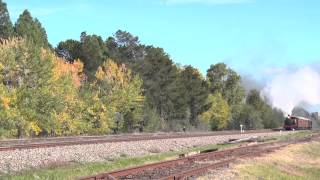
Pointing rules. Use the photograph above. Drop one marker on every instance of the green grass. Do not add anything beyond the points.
(78, 170)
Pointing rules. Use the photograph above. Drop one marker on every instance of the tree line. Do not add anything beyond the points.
(96, 86)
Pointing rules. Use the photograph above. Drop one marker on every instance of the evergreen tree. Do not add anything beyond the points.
(196, 92)
(6, 28)
(159, 77)
(129, 47)
(31, 29)
(73, 47)
(92, 52)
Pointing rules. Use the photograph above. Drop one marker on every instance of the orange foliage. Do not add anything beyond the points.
(76, 69)
(114, 73)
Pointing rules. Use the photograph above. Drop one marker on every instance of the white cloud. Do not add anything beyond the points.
(209, 2)
(292, 87)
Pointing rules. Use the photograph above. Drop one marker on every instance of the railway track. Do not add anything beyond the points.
(7, 145)
(192, 166)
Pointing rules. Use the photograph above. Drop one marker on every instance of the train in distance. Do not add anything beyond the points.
(297, 123)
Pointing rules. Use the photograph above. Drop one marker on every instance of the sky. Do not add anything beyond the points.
(260, 39)
(255, 37)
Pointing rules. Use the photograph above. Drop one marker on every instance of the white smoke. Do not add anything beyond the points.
(290, 88)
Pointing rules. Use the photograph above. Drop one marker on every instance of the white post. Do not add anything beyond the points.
(241, 130)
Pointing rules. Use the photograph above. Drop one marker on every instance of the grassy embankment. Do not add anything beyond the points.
(77, 170)
(295, 162)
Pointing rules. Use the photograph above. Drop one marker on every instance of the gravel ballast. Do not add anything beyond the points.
(18, 160)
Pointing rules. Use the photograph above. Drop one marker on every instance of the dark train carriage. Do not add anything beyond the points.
(296, 122)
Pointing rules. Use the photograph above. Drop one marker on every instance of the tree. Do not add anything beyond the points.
(31, 29)
(73, 47)
(196, 92)
(249, 117)
(129, 47)
(92, 52)
(272, 117)
(159, 77)
(112, 48)
(218, 113)
(38, 93)
(256, 113)
(217, 76)
(227, 82)
(6, 28)
(254, 99)
(121, 91)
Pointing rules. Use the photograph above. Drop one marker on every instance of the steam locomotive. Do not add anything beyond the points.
(297, 123)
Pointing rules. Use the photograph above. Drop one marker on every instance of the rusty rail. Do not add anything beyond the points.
(171, 163)
(231, 154)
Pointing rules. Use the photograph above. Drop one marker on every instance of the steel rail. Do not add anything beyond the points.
(171, 163)
(203, 169)
(260, 149)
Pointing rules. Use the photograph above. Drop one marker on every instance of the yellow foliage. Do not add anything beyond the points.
(218, 114)
(115, 74)
(62, 68)
(34, 128)
(5, 102)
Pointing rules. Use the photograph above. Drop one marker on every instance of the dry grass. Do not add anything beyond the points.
(299, 161)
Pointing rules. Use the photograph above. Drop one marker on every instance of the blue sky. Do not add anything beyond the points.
(255, 37)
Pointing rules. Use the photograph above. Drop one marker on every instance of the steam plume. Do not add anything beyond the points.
(293, 87)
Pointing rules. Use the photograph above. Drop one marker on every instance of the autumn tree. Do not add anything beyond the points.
(121, 91)
(6, 28)
(38, 96)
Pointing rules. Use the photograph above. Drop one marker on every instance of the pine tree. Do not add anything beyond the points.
(93, 53)
(6, 28)
(160, 77)
(31, 29)
(196, 92)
